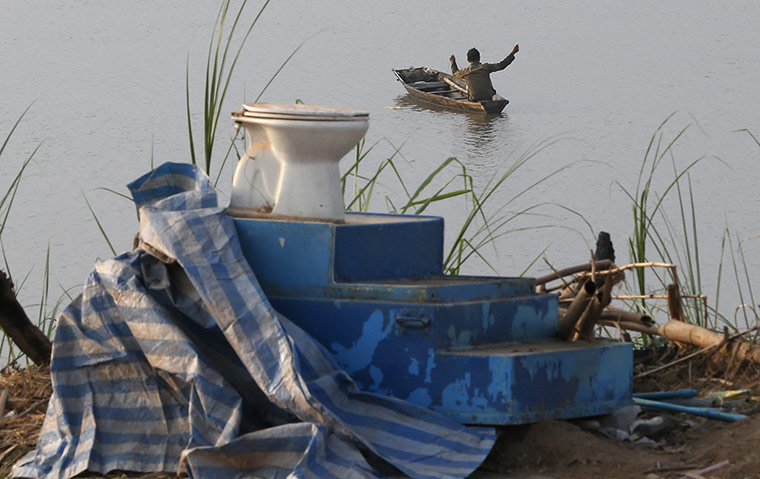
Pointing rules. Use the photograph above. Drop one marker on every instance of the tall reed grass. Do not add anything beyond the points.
(449, 181)
(6, 205)
(666, 229)
(221, 60)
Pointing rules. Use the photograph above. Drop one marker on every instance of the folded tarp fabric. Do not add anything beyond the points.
(172, 359)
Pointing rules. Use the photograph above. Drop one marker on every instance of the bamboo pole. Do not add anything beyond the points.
(679, 331)
(682, 332)
(628, 320)
(568, 320)
(584, 329)
(630, 326)
(569, 292)
(611, 314)
(697, 353)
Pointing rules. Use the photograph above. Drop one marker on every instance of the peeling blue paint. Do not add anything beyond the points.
(487, 317)
(430, 365)
(455, 395)
(478, 401)
(486, 353)
(420, 396)
(360, 355)
(414, 367)
(461, 337)
(500, 380)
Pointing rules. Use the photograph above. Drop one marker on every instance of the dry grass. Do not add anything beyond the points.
(31, 389)
(24, 412)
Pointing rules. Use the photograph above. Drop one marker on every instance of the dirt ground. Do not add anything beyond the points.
(563, 450)
(559, 449)
(546, 450)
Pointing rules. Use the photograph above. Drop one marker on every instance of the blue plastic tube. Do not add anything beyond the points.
(697, 411)
(681, 393)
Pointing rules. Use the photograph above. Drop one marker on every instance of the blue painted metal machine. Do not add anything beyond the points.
(483, 350)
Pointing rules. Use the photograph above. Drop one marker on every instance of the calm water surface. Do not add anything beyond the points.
(106, 84)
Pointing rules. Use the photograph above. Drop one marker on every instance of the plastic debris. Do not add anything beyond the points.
(681, 393)
(697, 411)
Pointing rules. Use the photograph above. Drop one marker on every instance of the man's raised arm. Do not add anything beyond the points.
(454, 67)
(494, 67)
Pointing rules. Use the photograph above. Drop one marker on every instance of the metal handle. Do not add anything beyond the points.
(413, 322)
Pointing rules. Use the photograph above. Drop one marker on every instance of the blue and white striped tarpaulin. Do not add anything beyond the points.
(172, 359)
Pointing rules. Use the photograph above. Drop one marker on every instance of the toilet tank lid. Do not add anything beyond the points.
(301, 111)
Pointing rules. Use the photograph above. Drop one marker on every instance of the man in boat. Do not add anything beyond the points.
(478, 75)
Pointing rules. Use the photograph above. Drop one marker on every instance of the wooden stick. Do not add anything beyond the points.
(581, 268)
(651, 264)
(670, 469)
(712, 468)
(19, 328)
(3, 399)
(641, 296)
(674, 302)
(33, 407)
(6, 452)
(659, 296)
(454, 84)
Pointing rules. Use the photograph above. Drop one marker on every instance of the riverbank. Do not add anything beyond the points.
(548, 450)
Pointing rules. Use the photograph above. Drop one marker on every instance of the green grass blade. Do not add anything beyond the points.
(187, 108)
(226, 158)
(271, 79)
(114, 192)
(45, 289)
(430, 178)
(751, 135)
(100, 226)
(534, 261)
(13, 128)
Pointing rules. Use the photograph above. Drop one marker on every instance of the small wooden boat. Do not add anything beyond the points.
(440, 88)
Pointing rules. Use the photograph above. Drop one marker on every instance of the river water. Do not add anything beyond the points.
(592, 82)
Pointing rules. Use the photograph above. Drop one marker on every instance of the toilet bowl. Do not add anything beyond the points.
(291, 165)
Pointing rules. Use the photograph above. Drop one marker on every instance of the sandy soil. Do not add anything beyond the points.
(559, 449)
(546, 450)
(563, 450)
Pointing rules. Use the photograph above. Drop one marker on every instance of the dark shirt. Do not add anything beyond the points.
(478, 78)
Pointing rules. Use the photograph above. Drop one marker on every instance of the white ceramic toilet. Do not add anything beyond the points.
(290, 167)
